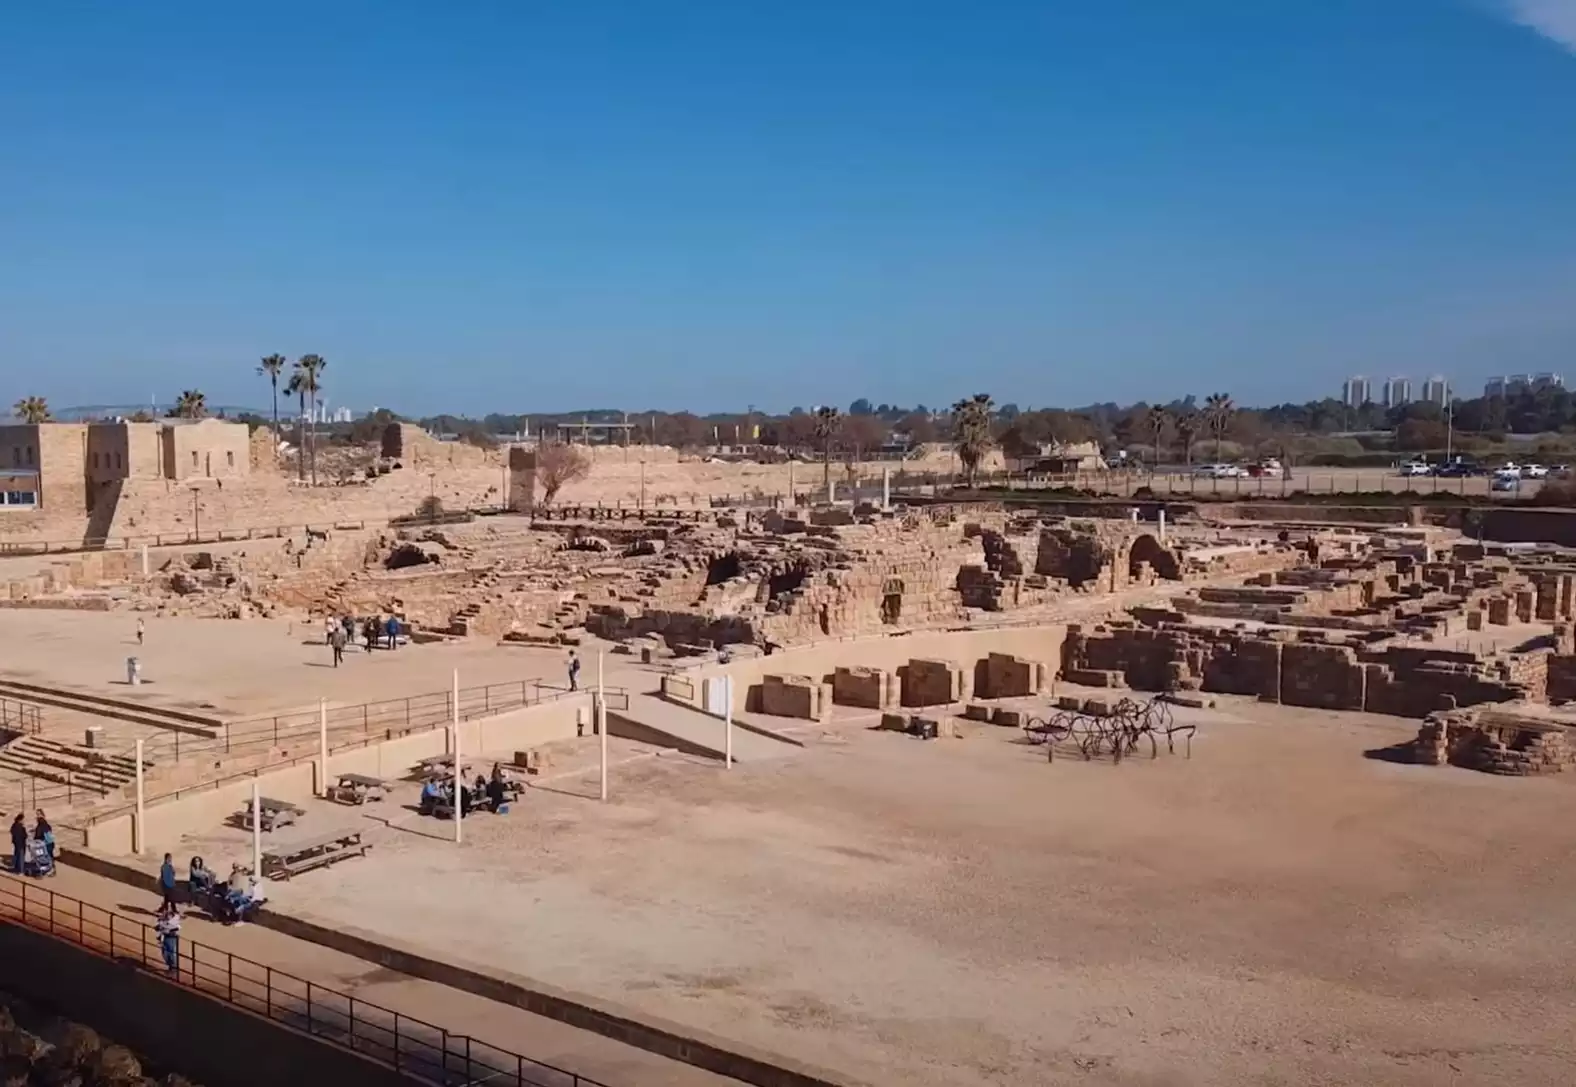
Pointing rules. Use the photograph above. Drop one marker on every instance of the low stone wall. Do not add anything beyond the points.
(793, 696)
(930, 683)
(871, 688)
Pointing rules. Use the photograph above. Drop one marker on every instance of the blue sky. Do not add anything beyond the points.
(527, 206)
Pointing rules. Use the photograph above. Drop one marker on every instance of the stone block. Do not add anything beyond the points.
(795, 696)
(977, 712)
(1094, 677)
(894, 722)
(872, 688)
(1002, 675)
(930, 683)
(1008, 718)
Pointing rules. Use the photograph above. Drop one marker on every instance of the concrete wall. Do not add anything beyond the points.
(204, 808)
(174, 1025)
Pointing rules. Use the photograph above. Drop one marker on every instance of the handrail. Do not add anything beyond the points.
(349, 727)
(419, 1050)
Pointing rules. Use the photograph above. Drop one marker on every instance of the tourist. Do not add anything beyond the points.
(45, 833)
(369, 631)
(167, 923)
(574, 671)
(430, 794)
(391, 628)
(142, 629)
(336, 639)
(167, 881)
(200, 879)
(495, 789)
(18, 844)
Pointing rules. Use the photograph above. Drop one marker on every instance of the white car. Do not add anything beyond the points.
(1219, 471)
(1416, 468)
(1534, 471)
(1506, 480)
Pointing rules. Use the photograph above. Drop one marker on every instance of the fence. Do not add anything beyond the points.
(420, 1050)
(177, 539)
(21, 717)
(350, 727)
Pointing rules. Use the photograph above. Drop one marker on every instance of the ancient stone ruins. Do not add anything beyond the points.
(1410, 621)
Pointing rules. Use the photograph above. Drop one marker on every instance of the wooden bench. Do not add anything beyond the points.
(282, 862)
(276, 813)
(357, 789)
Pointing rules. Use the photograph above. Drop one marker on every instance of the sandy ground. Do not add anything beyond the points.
(1278, 909)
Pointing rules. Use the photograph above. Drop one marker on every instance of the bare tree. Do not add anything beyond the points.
(558, 464)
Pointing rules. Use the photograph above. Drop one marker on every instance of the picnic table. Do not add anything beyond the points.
(319, 851)
(276, 813)
(357, 789)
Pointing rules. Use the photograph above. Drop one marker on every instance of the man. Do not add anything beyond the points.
(142, 628)
(336, 638)
(167, 881)
(391, 628)
(574, 671)
(18, 844)
(167, 924)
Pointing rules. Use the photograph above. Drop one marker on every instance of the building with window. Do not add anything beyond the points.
(60, 467)
(1435, 390)
(1397, 391)
(1357, 391)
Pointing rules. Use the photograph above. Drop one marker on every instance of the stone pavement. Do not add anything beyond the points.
(501, 1025)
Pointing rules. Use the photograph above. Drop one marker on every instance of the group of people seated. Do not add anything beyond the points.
(488, 794)
(230, 901)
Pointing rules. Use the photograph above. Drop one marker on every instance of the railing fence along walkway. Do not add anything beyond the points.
(417, 1049)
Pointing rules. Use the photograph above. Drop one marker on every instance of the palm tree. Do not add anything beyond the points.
(271, 367)
(828, 421)
(191, 404)
(971, 435)
(31, 409)
(310, 368)
(1218, 410)
(1187, 429)
(296, 388)
(1157, 419)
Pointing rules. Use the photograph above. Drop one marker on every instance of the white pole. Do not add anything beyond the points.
(139, 836)
(459, 772)
(1162, 525)
(257, 830)
(322, 747)
(727, 722)
(601, 721)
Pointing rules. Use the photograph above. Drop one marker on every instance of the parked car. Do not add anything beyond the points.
(1506, 481)
(1416, 468)
(1220, 471)
(1458, 468)
(1534, 471)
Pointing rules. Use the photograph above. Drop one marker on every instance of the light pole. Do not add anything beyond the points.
(1450, 422)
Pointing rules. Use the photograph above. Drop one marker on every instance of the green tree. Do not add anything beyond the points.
(1188, 424)
(971, 433)
(271, 367)
(310, 370)
(1157, 421)
(828, 421)
(191, 404)
(1218, 410)
(31, 409)
(296, 387)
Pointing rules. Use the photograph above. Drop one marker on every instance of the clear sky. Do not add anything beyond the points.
(533, 206)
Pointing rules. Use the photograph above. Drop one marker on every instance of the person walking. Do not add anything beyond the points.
(167, 924)
(167, 882)
(391, 628)
(18, 844)
(336, 639)
(142, 630)
(574, 671)
(45, 833)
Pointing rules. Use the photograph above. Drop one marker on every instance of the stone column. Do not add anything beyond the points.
(886, 488)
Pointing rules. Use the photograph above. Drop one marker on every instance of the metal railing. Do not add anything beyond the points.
(417, 1049)
(21, 717)
(348, 727)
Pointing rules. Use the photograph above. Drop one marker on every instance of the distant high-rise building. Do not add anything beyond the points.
(1547, 381)
(1516, 384)
(1397, 391)
(1357, 391)
(1435, 390)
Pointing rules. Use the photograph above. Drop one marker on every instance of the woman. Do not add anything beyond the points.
(45, 833)
(200, 879)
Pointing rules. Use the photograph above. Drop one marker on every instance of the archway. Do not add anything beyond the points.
(1160, 558)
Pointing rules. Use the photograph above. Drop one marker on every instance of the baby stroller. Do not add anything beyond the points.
(37, 861)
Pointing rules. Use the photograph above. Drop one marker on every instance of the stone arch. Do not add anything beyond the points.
(1161, 559)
